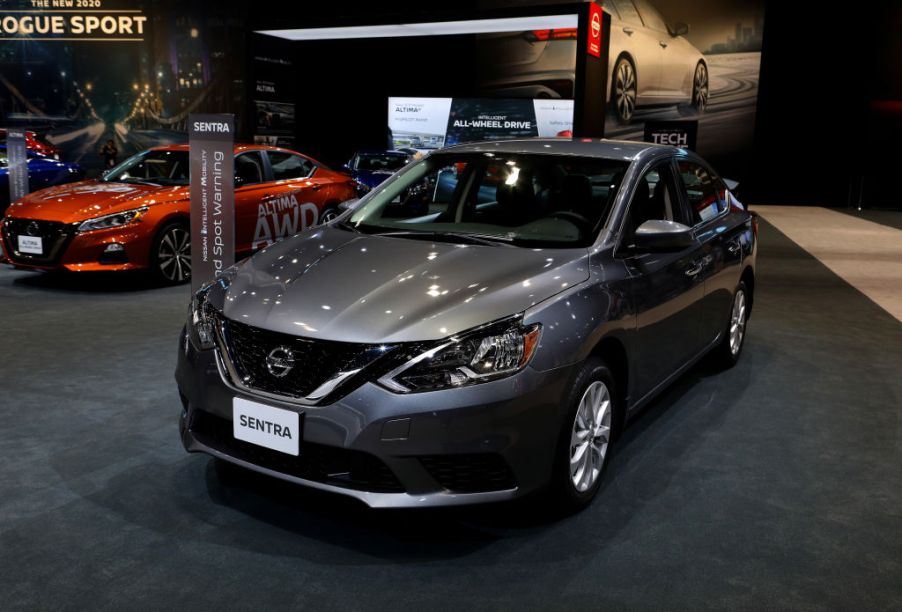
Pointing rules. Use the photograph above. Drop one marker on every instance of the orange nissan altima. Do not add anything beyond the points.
(137, 216)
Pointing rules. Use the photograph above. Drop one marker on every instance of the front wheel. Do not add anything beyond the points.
(623, 91)
(585, 440)
(170, 255)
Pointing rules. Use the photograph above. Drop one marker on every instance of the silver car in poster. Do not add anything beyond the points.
(652, 63)
(478, 329)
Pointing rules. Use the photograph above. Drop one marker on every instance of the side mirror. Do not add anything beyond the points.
(348, 205)
(679, 29)
(660, 235)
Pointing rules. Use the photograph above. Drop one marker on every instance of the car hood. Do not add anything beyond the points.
(339, 285)
(75, 202)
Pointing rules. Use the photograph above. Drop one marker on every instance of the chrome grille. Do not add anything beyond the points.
(319, 368)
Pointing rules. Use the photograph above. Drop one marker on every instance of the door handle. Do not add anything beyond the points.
(628, 31)
(734, 248)
(663, 44)
(695, 269)
(315, 187)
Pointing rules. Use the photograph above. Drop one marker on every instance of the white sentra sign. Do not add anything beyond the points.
(267, 426)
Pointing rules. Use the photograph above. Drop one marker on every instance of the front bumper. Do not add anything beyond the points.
(488, 442)
(86, 252)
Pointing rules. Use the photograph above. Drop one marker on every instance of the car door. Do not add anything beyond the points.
(251, 190)
(301, 189)
(721, 238)
(666, 289)
(642, 45)
(671, 62)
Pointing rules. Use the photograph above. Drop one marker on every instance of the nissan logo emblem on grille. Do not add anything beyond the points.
(33, 229)
(280, 361)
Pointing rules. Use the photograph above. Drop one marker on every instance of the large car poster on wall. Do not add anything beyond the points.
(432, 123)
(103, 80)
(669, 60)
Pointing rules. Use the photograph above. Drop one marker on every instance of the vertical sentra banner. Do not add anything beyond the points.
(211, 140)
(17, 156)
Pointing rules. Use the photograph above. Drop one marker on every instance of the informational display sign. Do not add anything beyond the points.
(17, 159)
(593, 45)
(211, 140)
(433, 123)
(683, 134)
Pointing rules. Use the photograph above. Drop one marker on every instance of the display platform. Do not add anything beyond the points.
(774, 484)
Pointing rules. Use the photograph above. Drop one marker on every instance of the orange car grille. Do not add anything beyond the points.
(54, 236)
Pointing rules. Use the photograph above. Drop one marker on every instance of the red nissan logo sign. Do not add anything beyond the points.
(593, 45)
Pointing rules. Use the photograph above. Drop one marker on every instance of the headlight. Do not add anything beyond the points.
(201, 322)
(114, 220)
(489, 353)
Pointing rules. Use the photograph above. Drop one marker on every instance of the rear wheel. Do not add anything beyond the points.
(584, 443)
(330, 213)
(730, 348)
(698, 103)
(171, 254)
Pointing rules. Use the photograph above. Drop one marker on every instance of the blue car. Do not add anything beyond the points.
(369, 168)
(43, 172)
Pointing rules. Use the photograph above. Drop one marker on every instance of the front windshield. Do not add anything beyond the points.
(377, 162)
(159, 167)
(525, 199)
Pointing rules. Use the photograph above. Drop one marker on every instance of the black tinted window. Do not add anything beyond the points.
(704, 192)
(249, 168)
(289, 166)
(160, 167)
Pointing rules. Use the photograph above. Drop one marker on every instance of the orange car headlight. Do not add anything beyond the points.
(113, 220)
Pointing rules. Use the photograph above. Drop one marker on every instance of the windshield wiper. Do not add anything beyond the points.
(482, 239)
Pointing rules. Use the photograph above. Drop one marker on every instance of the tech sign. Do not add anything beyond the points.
(593, 46)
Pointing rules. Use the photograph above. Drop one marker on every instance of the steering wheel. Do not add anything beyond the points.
(577, 219)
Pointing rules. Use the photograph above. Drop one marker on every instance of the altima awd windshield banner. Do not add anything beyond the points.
(211, 141)
(17, 160)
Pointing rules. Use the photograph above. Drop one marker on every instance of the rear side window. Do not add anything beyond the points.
(705, 193)
(289, 166)
(626, 11)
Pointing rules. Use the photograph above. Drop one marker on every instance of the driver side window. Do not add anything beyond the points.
(248, 169)
(655, 197)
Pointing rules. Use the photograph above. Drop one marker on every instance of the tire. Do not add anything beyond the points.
(170, 254)
(576, 475)
(330, 213)
(729, 350)
(698, 103)
(624, 91)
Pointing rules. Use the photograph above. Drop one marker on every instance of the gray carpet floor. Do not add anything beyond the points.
(777, 484)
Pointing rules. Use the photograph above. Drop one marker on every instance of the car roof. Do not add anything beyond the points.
(382, 152)
(584, 147)
(239, 148)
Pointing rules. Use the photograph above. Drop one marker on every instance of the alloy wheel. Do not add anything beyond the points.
(625, 90)
(737, 322)
(700, 88)
(590, 436)
(174, 255)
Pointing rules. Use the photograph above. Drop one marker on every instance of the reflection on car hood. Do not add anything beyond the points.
(85, 199)
(338, 285)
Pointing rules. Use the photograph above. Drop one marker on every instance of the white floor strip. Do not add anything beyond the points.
(866, 255)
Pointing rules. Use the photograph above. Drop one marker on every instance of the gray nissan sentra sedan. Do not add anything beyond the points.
(479, 328)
